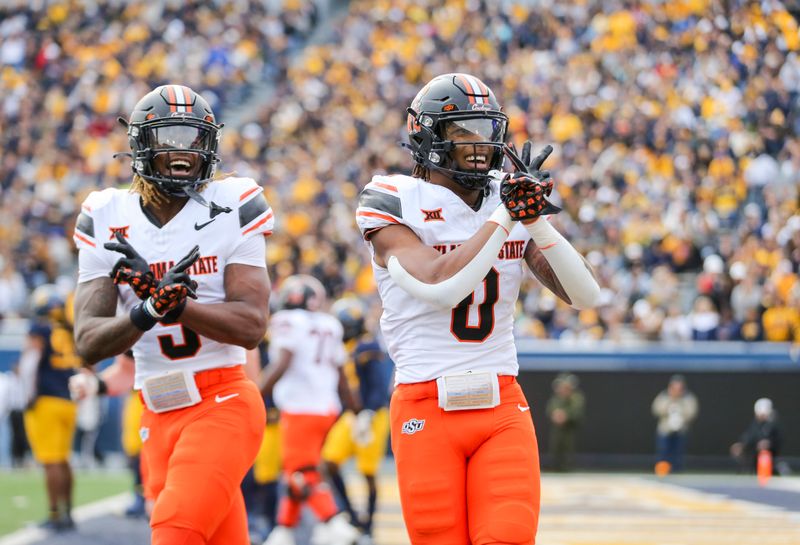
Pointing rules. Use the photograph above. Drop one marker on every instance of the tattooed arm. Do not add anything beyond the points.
(99, 334)
(544, 273)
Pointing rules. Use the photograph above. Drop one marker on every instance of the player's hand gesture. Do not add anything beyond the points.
(176, 285)
(131, 269)
(524, 192)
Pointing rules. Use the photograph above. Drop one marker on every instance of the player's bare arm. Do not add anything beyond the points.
(545, 274)
(349, 398)
(98, 333)
(242, 318)
(423, 262)
(114, 380)
(274, 371)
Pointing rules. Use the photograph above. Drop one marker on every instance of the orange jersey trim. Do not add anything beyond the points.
(84, 239)
(385, 186)
(377, 215)
(259, 224)
(248, 192)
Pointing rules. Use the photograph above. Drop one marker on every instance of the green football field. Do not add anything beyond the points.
(23, 499)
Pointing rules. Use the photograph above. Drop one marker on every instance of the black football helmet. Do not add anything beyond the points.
(467, 102)
(173, 118)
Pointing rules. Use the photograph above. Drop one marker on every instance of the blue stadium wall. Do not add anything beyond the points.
(619, 384)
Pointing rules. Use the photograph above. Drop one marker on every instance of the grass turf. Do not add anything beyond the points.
(23, 499)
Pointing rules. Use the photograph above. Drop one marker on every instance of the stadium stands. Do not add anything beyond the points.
(675, 124)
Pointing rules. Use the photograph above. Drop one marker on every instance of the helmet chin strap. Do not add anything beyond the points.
(192, 193)
(214, 208)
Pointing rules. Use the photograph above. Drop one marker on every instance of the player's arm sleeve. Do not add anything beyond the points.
(92, 258)
(379, 205)
(573, 272)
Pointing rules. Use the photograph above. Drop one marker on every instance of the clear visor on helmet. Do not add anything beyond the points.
(484, 129)
(178, 137)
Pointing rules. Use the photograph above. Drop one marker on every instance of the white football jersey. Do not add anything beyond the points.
(310, 384)
(223, 239)
(424, 341)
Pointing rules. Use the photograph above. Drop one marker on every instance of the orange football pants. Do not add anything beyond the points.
(194, 460)
(302, 438)
(466, 477)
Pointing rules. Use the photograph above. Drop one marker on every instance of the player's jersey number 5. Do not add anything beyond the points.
(176, 350)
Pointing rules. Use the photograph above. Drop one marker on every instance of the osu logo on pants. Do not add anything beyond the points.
(410, 427)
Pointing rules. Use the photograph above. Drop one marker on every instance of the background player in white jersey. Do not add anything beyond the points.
(448, 248)
(364, 435)
(183, 235)
(306, 381)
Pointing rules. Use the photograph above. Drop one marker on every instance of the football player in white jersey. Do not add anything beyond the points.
(305, 379)
(189, 295)
(450, 246)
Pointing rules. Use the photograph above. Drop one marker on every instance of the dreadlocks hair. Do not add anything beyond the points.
(151, 196)
(421, 172)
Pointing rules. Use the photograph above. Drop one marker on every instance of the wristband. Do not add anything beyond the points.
(150, 309)
(502, 218)
(141, 319)
(172, 316)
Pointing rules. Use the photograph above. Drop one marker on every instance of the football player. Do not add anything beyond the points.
(450, 245)
(307, 383)
(175, 268)
(46, 364)
(363, 435)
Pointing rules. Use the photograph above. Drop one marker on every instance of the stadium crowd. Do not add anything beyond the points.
(675, 126)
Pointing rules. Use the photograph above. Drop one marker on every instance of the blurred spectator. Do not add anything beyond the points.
(675, 408)
(764, 433)
(565, 409)
(704, 319)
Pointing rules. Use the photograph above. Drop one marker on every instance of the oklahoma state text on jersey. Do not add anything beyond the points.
(222, 242)
(424, 341)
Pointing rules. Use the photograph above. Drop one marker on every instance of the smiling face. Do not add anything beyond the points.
(177, 164)
(476, 157)
(173, 147)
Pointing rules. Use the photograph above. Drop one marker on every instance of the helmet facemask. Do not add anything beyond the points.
(170, 142)
(477, 136)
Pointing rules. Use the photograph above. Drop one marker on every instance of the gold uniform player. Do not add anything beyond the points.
(47, 362)
(364, 435)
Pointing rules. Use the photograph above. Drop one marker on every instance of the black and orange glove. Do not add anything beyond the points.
(131, 269)
(169, 297)
(524, 193)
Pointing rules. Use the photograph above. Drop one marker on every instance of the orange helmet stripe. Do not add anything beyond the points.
(468, 86)
(172, 99)
(187, 98)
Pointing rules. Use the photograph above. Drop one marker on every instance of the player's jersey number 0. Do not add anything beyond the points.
(459, 325)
